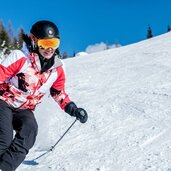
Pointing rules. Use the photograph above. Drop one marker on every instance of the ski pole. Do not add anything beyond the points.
(33, 161)
(62, 135)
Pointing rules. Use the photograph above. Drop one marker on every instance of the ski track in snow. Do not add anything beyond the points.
(127, 94)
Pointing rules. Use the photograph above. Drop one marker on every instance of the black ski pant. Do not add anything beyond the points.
(14, 148)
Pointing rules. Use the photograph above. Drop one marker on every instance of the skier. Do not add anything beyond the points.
(25, 77)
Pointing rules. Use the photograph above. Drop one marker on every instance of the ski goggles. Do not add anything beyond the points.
(48, 43)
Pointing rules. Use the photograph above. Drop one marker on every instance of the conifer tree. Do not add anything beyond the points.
(65, 55)
(10, 32)
(168, 28)
(20, 38)
(4, 38)
(15, 43)
(74, 54)
(149, 33)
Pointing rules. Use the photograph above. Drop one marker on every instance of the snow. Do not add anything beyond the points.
(127, 94)
(81, 54)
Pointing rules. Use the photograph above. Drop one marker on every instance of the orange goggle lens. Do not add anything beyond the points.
(49, 43)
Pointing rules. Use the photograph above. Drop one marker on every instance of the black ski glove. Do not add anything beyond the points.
(79, 113)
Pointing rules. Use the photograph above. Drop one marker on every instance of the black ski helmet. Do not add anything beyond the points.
(45, 29)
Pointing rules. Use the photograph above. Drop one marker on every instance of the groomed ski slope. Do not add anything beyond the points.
(127, 94)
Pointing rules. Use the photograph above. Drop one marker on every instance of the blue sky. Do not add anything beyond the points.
(86, 22)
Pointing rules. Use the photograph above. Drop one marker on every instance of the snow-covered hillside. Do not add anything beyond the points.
(127, 94)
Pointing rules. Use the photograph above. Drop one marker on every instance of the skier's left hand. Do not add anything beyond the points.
(81, 115)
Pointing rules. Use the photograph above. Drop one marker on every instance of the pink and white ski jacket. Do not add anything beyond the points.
(21, 68)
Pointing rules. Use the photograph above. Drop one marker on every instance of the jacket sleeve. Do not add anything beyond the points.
(57, 90)
(11, 65)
